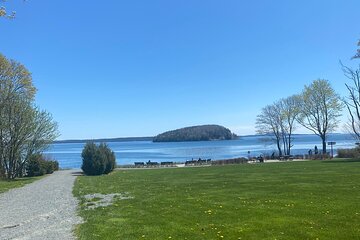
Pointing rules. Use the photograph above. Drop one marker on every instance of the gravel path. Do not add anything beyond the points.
(44, 209)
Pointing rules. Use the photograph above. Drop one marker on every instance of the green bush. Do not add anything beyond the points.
(97, 160)
(110, 161)
(349, 153)
(51, 166)
(39, 165)
(319, 156)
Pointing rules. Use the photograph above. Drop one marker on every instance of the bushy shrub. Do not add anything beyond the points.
(39, 165)
(319, 156)
(230, 161)
(34, 166)
(50, 166)
(349, 153)
(97, 160)
(110, 161)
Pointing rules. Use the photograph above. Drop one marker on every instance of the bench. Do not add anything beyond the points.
(149, 163)
(139, 164)
(166, 163)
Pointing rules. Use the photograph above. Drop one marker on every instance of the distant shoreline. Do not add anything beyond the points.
(122, 139)
(134, 139)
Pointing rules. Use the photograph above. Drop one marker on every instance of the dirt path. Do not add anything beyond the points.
(44, 209)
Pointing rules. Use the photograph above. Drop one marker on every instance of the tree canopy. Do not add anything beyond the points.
(25, 129)
(5, 13)
(320, 108)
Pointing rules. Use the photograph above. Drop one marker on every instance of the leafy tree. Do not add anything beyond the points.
(24, 128)
(320, 109)
(5, 13)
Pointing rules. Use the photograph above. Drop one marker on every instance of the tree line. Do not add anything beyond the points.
(317, 108)
(25, 129)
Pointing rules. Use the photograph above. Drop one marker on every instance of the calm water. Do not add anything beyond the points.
(69, 154)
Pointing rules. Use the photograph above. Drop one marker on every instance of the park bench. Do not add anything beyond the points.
(198, 162)
(166, 163)
(190, 162)
(286, 157)
(151, 164)
(139, 164)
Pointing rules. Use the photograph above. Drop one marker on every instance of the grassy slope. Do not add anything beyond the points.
(6, 185)
(296, 200)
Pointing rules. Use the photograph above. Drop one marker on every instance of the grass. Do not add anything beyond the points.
(6, 185)
(294, 200)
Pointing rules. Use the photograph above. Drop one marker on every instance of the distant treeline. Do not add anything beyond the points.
(107, 140)
(196, 133)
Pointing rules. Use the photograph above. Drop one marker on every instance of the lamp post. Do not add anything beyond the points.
(332, 150)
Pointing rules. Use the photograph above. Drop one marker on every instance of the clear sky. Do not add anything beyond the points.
(138, 68)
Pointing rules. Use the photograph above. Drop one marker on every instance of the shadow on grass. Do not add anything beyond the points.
(339, 160)
(19, 180)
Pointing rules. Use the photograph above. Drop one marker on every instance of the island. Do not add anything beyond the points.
(196, 133)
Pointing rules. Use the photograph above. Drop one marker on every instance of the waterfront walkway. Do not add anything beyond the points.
(44, 209)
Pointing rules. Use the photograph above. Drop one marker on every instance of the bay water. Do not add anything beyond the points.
(69, 154)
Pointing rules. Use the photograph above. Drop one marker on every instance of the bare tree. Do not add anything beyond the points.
(320, 109)
(267, 122)
(352, 101)
(289, 110)
(279, 121)
(357, 55)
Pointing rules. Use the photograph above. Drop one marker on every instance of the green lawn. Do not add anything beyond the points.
(6, 185)
(293, 200)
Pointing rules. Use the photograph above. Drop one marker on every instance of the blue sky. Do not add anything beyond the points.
(138, 68)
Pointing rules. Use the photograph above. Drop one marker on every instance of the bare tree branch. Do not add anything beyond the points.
(278, 120)
(352, 101)
(357, 55)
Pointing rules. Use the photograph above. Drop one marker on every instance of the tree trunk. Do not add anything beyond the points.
(289, 145)
(279, 146)
(323, 138)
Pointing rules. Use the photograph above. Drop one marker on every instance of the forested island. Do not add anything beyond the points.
(196, 133)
